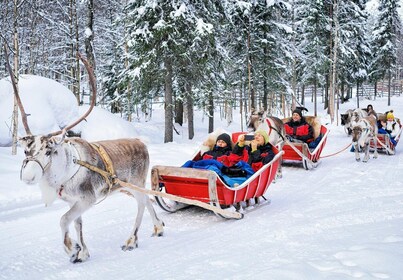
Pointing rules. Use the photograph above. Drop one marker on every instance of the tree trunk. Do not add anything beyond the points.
(16, 65)
(89, 41)
(168, 137)
(190, 115)
(252, 103)
(210, 112)
(241, 104)
(334, 64)
(179, 109)
(315, 104)
(358, 97)
(375, 89)
(73, 46)
(389, 85)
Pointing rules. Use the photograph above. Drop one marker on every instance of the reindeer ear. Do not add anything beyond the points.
(26, 140)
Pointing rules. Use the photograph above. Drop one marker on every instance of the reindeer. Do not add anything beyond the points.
(274, 127)
(351, 117)
(346, 120)
(82, 174)
(364, 131)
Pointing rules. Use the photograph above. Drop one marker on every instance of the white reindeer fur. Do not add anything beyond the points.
(369, 132)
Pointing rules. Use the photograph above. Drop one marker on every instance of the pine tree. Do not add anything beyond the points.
(385, 34)
(314, 44)
(354, 46)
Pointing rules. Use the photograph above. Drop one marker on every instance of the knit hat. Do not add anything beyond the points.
(390, 115)
(264, 134)
(297, 111)
(226, 138)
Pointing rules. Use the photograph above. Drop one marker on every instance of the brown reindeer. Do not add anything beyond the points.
(364, 131)
(82, 174)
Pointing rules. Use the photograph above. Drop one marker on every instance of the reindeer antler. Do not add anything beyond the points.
(17, 95)
(93, 97)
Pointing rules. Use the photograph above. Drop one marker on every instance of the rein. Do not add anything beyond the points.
(345, 148)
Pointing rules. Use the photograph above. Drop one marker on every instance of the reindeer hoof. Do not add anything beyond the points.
(79, 255)
(130, 245)
(358, 159)
(158, 230)
(129, 248)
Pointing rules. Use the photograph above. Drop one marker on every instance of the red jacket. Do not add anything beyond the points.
(299, 130)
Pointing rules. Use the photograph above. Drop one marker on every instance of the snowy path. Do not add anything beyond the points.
(339, 221)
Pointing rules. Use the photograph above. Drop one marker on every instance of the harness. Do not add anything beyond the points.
(108, 174)
(32, 158)
(273, 128)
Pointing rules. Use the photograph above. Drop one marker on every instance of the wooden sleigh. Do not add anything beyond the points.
(300, 152)
(384, 143)
(204, 188)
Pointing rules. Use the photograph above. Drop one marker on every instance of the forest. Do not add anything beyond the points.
(209, 55)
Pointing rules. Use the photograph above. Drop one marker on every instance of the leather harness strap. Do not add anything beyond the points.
(108, 174)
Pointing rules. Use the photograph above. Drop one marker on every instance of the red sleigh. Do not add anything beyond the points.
(300, 152)
(181, 187)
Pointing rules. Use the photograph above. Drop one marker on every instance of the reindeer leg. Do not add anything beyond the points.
(158, 224)
(357, 155)
(376, 146)
(72, 248)
(366, 149)
(83, 254)
(132, 242)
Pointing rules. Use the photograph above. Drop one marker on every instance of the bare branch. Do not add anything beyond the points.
(17, 95)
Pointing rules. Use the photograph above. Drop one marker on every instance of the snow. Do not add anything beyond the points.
(342, 220)
(50, 115)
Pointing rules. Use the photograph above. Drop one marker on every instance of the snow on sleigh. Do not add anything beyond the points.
(180, 187)
(300, 152)
(385, 143)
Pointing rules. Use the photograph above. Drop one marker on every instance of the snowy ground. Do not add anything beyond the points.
(342, 220)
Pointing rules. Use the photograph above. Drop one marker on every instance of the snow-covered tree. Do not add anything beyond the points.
(385, 35)
(168, 45)
(354, 45)
(314, 35)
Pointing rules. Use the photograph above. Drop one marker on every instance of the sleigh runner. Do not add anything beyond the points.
(206, 186)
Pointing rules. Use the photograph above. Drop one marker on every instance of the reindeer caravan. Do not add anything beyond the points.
(371, 131)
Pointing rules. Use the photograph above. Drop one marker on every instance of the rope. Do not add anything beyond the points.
(345, 148)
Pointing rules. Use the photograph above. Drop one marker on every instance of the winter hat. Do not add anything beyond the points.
(390, 115)
(226, 138)
(297, 111)
(264, 134)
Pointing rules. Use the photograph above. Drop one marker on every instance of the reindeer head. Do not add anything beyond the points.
(357, 132)
(255, 119)
(360, 132)
(38, 156)
(344, 119)
(41, 149)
